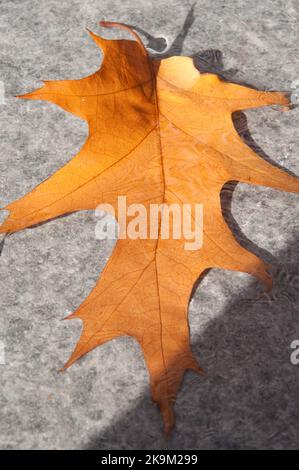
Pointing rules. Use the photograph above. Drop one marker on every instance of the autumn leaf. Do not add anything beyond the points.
(159, 132)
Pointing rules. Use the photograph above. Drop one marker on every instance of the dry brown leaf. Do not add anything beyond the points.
(159, 131)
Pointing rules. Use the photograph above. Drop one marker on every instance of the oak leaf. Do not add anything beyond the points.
(159, 132)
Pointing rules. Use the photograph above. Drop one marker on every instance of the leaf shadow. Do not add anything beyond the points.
(2, 244)
(249, 398)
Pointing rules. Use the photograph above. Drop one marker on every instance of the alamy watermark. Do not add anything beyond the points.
(163, 221)
(294, 357)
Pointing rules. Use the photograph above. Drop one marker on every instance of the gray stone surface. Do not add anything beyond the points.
(240, 335)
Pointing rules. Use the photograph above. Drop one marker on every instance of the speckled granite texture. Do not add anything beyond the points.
(240, 335)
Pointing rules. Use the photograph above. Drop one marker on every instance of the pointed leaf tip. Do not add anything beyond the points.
(99, 40)
(114, 24)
